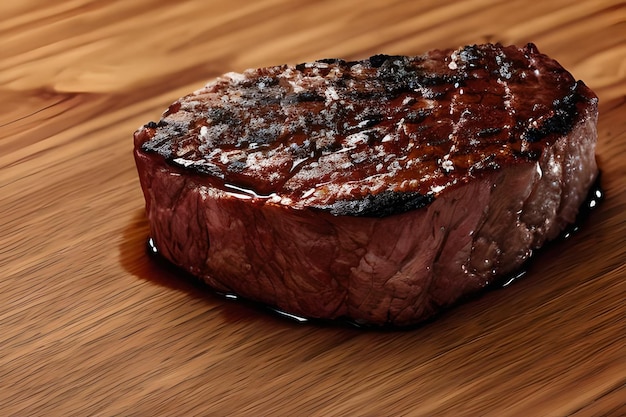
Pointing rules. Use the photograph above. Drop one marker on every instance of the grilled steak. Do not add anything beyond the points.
(381, 190)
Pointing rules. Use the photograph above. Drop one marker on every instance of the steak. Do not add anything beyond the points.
(382, 190)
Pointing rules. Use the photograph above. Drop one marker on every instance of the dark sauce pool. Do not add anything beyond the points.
(591, 202)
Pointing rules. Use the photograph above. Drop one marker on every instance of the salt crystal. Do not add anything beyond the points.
(331, 95)
(447, 165)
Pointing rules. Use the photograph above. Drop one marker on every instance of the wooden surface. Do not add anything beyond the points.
(89, 325)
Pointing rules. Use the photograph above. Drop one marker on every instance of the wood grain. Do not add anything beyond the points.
(90, 325)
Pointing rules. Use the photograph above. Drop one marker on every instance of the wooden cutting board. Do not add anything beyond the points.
(90, 325)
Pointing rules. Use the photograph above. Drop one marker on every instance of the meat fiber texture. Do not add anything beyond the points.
(382, 191)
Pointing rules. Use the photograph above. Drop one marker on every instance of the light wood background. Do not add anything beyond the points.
(90, 325)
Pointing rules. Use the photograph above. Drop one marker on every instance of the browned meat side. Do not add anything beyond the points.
(380, 190)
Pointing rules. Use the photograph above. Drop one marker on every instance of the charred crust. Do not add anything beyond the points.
(432, 80)
(209, 169)
(417, 116)
(236, 166)
(382, 204)
(306, 97)
(470, 55)
(331, 61)
(162, 146)
(561, 122)
(161, 142)
(531, 49)
(489, 131)
(398, 74)
(378, 60)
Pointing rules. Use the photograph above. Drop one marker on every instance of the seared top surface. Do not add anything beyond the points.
(370, 137)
